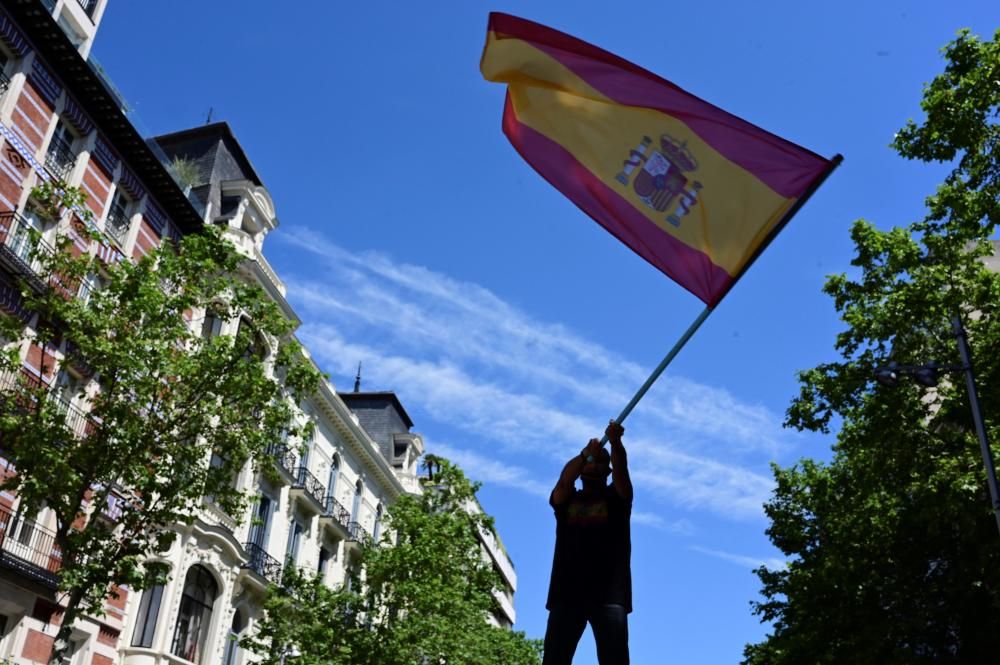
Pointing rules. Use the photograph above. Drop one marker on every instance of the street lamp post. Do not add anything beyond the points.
(926, 375)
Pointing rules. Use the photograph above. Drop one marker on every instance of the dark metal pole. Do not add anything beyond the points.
(977, 415)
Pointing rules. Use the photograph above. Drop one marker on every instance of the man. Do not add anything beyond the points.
(591, 575)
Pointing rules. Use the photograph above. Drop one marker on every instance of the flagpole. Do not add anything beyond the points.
(834, 163)
(662, 366)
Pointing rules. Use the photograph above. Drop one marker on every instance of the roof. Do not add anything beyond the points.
(386, 395)
(214, 131)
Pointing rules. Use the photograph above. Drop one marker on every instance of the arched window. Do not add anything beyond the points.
(232, 642)
(307, 446)
(331, 482)
(356, 506)
(378, 523)
(195, 616)
(247, 334)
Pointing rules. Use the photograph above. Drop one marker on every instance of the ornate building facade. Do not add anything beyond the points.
(61, 118)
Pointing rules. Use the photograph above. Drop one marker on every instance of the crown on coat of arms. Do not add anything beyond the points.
(677, 152)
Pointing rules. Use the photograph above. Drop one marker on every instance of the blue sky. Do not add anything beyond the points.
(415, 240)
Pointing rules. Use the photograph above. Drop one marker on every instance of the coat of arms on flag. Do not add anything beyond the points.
(661, 177)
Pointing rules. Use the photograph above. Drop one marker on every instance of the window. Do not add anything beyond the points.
(324, 561)
(331, 482)
(195, 616)
(78, 652)
(294, 540)
(306, 451)
(149, 610)
(356, 506)
(218, 474)
(118, 221)
(212, 325)
(19, 238)
(232, 640)
(60, 158)
(89, 284)
(68, 385)
(261, 522)
(246, 334)
(378, 523)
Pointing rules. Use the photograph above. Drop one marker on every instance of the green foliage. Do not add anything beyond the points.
(185, 171)
(162, 400)
(421, 595)
(894, 555)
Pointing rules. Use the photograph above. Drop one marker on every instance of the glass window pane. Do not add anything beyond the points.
(149, 610)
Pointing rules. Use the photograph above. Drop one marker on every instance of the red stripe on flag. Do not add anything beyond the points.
(785, 167)
(688, 267)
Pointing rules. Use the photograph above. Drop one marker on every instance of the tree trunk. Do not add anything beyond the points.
(60, 647)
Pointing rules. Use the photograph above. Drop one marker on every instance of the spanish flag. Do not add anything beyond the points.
(692, 189)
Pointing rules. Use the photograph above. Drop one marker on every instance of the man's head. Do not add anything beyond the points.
(598, 469)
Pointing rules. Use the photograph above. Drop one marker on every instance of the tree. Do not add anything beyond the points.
(894, 555)
(170, 415)
(420, 595)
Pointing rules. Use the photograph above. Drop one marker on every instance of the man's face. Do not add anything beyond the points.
(599, 468)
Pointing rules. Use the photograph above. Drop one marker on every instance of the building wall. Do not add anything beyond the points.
(333, 487)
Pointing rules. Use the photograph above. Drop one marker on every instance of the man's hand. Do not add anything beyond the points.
(614, 431)
(619, 461)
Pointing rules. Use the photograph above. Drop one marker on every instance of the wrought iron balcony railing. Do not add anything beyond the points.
(4, 82)
(28, 548)
(117, 225)
(77, 421)
(311, 485)
(262, 563)
(59, 158)
(357, 533)
(21, 244)
(284, 458)
(88, 6)
(335, 511)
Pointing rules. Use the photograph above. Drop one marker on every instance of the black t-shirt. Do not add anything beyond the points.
(591, 565)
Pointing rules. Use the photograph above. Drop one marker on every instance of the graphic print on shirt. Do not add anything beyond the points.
(587, 513)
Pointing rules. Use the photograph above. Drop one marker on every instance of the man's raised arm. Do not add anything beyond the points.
(564, 487)
(619, 461)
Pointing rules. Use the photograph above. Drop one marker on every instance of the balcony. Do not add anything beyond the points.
(21, 245)
(263, 564)
(11, 300)
(117, 225)
(88, 7)
(29, 549)
(335, 514)
(357, 533)
(60, 158)
(4, 82)
(78, 422)
(285, 460)
(309, 487)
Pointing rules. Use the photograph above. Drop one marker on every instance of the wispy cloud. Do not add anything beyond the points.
(741, 560)
(516, 385)
(681, 527)
(489, 470)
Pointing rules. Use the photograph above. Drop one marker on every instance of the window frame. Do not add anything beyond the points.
(144, 632)
(191, 608)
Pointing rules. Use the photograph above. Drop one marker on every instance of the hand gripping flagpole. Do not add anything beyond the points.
(834, 163)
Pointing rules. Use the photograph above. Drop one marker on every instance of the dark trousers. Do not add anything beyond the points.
(566, 624)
